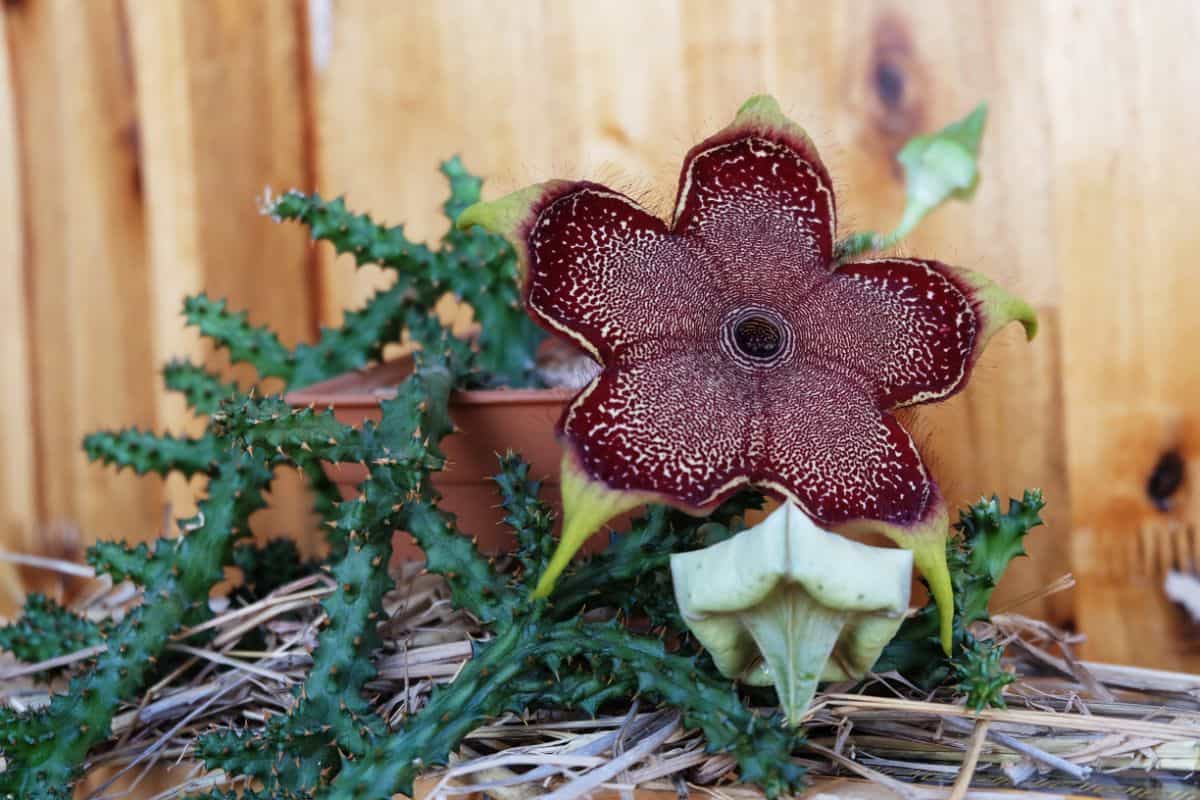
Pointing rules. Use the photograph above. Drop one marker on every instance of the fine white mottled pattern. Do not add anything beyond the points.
(765, 213)
(688, 405)
(905, 326)
(610, 272)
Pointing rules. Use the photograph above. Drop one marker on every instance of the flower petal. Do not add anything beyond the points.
(598, 268)
(759, 198)
(663, 423)
(666, 421)
(820, 441)
(912, 329)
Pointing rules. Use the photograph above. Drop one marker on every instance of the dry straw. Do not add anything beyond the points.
(1070, 727)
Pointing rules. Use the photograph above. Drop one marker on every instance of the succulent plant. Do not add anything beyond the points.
(332, 742)
(738, 350)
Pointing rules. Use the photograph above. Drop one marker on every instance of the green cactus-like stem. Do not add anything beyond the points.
(569, 689)
(366, 240)
(123, 562)
(203, 389)
(294, 434)
(981, 676)
(401, 450)
(359, 340)
(293, 752)
(160, 454)
(488, 280)
(760, 745)
(46, 630)
(248, 794)
(477, 267)
(246, 343)
(41, 761)
(331, 716)
(490, 683)
(480, 691)
(531, 519)
(989, 540)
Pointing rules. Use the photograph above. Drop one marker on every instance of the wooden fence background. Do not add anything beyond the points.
(136, 136)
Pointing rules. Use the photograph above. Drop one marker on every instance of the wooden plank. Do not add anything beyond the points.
(221, 92)
(1126, 244)
(356, 155)
(83, 261)
(18, 469)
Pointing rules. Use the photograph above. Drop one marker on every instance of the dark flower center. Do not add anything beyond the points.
(758, 337)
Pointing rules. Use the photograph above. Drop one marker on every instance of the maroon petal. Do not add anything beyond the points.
(820, 441)
(911, 329)
(759, 198)
(605, 272)
(665, 421)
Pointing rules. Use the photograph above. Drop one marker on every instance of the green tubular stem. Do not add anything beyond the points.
(246, 343)
(247, 794)
(42, 763)
(46, 630)
(473, 266)
(976, 559)
(360, 339)
(203, 390)
(531, 519)
(477, 693)
(761, 747)
(490, 683)
(331, 716)
(476, 267)
(359, 235)
(122, 562)
(145, 452)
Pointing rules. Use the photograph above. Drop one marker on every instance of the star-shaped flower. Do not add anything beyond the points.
(736, 351)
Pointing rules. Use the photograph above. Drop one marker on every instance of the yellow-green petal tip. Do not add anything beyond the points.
(502, 216)
(587, 505)
(927, 541)
(760, 105)
(929, 556)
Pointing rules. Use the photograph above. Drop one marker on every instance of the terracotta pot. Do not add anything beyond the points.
(490, 422)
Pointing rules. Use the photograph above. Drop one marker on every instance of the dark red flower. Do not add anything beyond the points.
(736, 350)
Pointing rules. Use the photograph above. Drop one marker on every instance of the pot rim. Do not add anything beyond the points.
(367, 388)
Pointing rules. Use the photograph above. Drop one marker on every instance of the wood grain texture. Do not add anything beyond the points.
(18, 477)
(156, 124)
(1126, 245)
(223, 118)
(82, 258)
